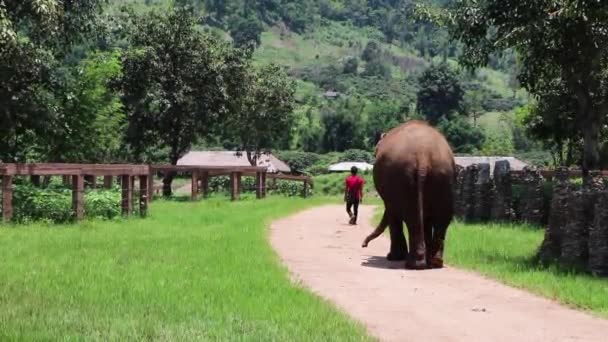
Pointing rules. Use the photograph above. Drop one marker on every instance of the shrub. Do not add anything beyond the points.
(357, 156)
(54, 203)
(298, 161)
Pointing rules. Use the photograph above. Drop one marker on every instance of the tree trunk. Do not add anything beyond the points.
(167, 181)
(590, 127)
(591, 142)
(252, 157)
(168, 177)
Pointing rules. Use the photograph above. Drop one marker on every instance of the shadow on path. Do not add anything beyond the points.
(382, 262)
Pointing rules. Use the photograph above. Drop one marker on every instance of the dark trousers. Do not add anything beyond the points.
(352, 204)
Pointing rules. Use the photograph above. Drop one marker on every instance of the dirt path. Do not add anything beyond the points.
(322, 251)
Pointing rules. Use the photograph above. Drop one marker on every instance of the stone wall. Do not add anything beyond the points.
(576, 233)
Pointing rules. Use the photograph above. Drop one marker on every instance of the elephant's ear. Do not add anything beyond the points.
(382, 136)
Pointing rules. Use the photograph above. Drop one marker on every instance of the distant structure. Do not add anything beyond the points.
(331, 94)
(346, 166)
(230, 158)
(515, 164)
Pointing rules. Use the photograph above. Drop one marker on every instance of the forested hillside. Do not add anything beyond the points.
(358, 68)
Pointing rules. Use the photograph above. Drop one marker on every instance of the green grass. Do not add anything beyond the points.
(192, 271)
(506, 252)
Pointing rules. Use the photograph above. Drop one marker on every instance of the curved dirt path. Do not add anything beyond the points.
(323, 252)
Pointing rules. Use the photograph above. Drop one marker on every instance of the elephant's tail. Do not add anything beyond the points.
(421, 178)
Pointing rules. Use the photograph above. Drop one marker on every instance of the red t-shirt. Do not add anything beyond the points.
(354, 186)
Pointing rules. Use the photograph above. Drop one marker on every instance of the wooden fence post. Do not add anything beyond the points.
(143, 196)
(264, 184)
(235, 185)
(205, 184)
(107, 182)
(127, 195)
(195, 177)
(151, 185)
(258, 185)
(78, 196)
(7, 198)
(305, 191)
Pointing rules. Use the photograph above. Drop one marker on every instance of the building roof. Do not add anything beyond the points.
(230, 158)
(346, 166)
(331, 94)
(515, 164)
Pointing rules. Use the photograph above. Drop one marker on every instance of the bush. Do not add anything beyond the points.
(298, 161)
(357, 156)
(54, 204)
(289, 188)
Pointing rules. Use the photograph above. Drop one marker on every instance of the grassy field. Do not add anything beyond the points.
(192, 271)
(507, 253)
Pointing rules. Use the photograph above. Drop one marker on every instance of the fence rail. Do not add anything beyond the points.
(201, 175)
(81, 175)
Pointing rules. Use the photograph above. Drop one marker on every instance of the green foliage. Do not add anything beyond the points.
(351, 65)
(344, 125)
(35, 35)
(440, 93)
(562, 47)
(298, 161)
(171, 83)
(91, 126)
(246, 32)
(381, 118)
(263, 116)
(357, 156)
(462, 136)
(54, 204)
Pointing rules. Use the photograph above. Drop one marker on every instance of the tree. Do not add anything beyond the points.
(376, 68)
(246, 32)
(472, 104)
(559, 41)
(171, 84)
(264, 116)
(463, 137)
(343, 126)
(35, 36)
(552, 121)
(371, 52)
(440, 93)
(92, 123)
(351, 65)
(380, 119)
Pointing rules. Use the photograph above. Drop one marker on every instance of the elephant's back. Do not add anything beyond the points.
(402, 152)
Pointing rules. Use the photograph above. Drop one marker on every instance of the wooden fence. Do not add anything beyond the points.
(77, 173)
(201, 175)
(80, 174)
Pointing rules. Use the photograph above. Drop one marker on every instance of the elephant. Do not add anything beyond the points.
(414, 175)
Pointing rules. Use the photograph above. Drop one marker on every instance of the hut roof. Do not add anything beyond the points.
(230, 158)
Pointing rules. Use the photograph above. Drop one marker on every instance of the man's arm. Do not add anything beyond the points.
(345, 189)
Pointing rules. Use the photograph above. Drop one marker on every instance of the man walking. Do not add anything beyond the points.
(353, 194)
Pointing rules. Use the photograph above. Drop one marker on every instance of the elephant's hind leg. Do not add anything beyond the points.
(439, 233)
(398, 250)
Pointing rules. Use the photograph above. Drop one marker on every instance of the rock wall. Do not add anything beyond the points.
(576, 234)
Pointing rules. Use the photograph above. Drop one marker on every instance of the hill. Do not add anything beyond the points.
(357, 65)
